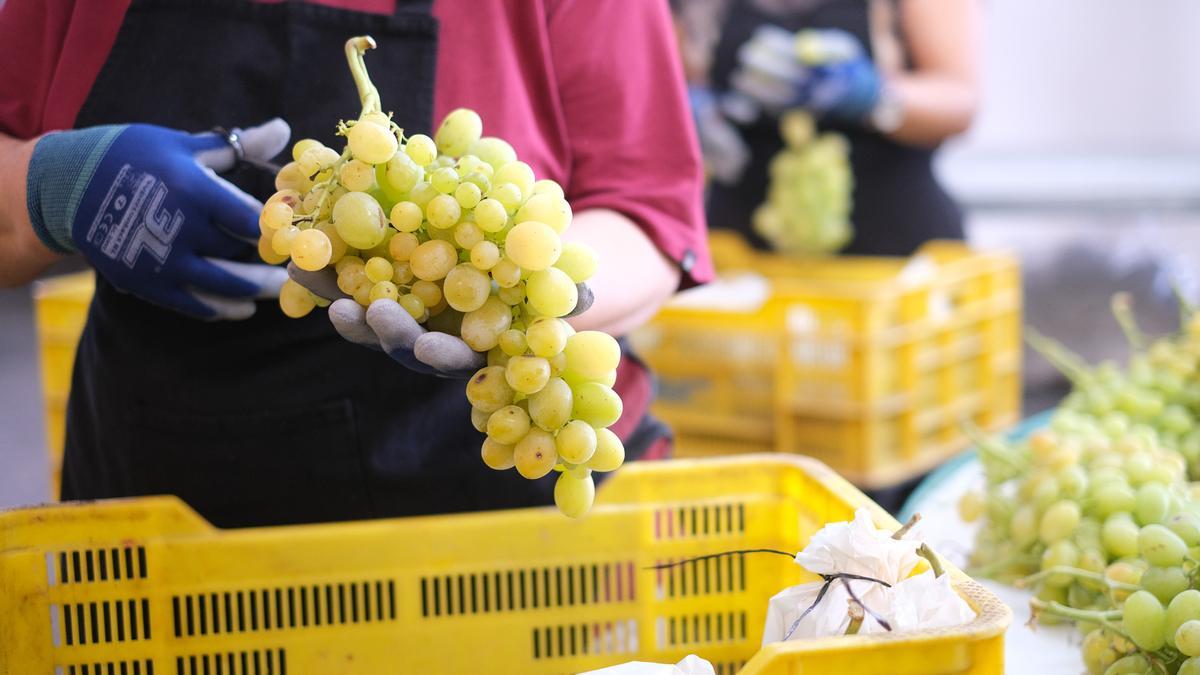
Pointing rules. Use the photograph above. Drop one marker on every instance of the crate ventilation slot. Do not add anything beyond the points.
(726, 574)
(256, 662)
(699, 521)
(105, 621)
(143, 667)
(96, 564)
(700, 629)
(729, 667)
(515, 590)
(610, 637)
(283, 608)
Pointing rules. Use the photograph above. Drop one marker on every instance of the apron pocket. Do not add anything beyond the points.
(263, 468)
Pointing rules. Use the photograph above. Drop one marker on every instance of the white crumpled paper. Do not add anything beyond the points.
(691, 665)
(857, 547)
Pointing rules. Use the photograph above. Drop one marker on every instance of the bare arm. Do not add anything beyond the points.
(940, 94)
(22, 255)
(633, 278)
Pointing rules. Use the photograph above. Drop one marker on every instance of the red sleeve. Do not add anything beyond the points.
(50, 54)
(633, 147)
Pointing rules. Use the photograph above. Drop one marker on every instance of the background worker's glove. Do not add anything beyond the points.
(388, 327)
(824, 71)
(725, 151)
(145, 206)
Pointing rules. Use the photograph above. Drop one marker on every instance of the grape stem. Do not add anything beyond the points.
(935, 563)
(899, 534)
(1025, 582)
(367, 93)
(1122, 309)
(1066, 361)
(1103, 618)
(855, 610)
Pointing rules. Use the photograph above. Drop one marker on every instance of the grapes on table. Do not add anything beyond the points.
(463, 235)
(1099, 512)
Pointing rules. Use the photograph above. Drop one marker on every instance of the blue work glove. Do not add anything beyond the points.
(725, 151)
(824, 71)
(387, 327)
(145, 206)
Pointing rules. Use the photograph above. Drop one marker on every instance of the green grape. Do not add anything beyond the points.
(548, 209)
(596, 404)
(508, 195)
(479, 419)
(578, 260)
(359, 220)
(574, 495)
(1133, 664)
(1187, 638)
(488, 391)
(1024, 526)
(1058, 522)
(610, 452)
(303, 145)
(1189, 667)
(403, 174)
(295, 300)
(337, 247)
(1153, 503)
(413, 305)
(550, 291)
(443, 212)
(421, 194)
(532, 245)
(1165, 582)
(480, 181)
(1120, 535)
(971, 506)
(371, 143)
(481, 328)
(1186, 525)
(1073, 482)
(429, 293)
(551, 407)
(490, 215)
(535, 454)
(406, 217)
(445, 181)
(576, 442)
(1112, 498)
(433, 260)
(496, 455)
(281, 240)
(506, 273)
(467, 164)
(311, 250)
(548, 187)
(512, 341)
(547, 337)
(384, 290)
(513, 295)
(485, 255)
(467, 235)
(448, 321)
(467, 195)
(421, 149)
(275, 216)
(357, 176)
(402, 245)
(1051, 593)
(592, 354)
(466, 288)
(1125, 572)
(1062, 553)
(460, 129)
(516, 173)
(1160, 546)
(508, 424)
(1144, 619)
(1185, 606)
(378, 269)
(292, 177)
(494, 151)
(527, 374)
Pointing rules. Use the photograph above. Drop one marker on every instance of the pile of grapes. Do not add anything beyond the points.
(461, 234)
(1096, 512)
(808, 199)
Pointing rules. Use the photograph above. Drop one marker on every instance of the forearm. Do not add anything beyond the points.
(936, 107)
(22, 255)
(633, 278)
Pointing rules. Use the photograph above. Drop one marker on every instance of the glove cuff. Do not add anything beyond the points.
(60, 170)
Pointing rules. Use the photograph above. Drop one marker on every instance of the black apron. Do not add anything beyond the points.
(897, 205)
(271, 420)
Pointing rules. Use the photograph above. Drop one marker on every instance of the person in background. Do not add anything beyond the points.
(897, 78)
(184, 382)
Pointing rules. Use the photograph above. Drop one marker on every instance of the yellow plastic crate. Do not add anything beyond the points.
(60, 307)
(855, 361)
(128, 585)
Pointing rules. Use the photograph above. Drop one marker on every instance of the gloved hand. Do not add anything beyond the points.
(386, 326)
(725, 151)
(825, 71)
(145, 206)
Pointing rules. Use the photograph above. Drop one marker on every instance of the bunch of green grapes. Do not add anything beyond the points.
(463, 236)
(808, 199)
(1097, 512)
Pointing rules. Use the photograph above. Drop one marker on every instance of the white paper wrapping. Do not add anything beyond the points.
(690, 665)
